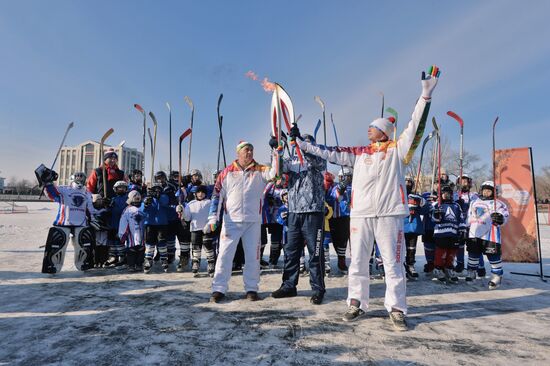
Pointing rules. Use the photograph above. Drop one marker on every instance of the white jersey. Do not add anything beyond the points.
(378, 187)
(74, 204)
(197, 213)
(131, 227)
(479, 219)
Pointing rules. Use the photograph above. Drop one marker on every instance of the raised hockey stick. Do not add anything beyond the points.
(154, 145)
(322, 104)
(461, 154)
(336, 138)
(382, 112)
(494, 169)
(182, 137)
(221, 147)
(426, 139)
(169, 136)
(434, 157)
(142, 111)
(71, 125)
(192, 106)
(317, 126)
(103, 170)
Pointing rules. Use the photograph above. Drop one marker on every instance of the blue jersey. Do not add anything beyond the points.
(156, 212)
(451, 223)
(118, 204)
(339, 201)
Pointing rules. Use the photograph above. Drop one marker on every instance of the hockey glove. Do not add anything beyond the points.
(185, 180)
(294, 132)
(273, 143)
(341, 188)
(106, 202)
(284, 215)
(44, 175)
(497, 218)
(179, 209)
(148, 201)
(210, 227)
(429, 81)
(438, 215)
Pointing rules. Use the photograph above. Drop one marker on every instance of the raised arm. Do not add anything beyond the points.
(336, 155)
(412, 135)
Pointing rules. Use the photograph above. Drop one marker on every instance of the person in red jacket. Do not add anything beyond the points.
(94, 184)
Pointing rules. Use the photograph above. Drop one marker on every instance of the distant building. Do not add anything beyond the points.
(86, 157)
(2, 186)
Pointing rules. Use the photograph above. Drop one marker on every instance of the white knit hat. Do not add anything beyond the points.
(133, 196)
(386, 125)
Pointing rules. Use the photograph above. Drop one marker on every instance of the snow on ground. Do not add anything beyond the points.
(105, 317)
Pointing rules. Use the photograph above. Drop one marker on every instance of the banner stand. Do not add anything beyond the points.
(541, 274)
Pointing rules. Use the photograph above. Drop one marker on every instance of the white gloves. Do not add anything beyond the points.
(429, 81)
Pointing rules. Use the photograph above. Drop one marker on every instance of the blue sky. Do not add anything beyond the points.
(89, 62)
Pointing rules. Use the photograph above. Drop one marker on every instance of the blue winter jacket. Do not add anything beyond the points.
(118, 204)
(156, 214)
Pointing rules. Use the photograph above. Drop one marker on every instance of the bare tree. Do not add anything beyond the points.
(542, 182)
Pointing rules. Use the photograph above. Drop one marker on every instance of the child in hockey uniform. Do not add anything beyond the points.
(413, 226)
(117, 255)
(484, 233)
(196, 213)
(132, 233)
(428, 234)
(271, 204)
(99, 222)
(339, 223)
(328, 181)
(447, 216)
(71, 222)
(155, 207)
(282, 219)
(464, 198)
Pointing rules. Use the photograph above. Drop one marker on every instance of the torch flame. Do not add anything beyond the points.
(267, 85)
(251, 75)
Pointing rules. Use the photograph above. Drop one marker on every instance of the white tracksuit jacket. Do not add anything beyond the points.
(196, 212)
(378, 187)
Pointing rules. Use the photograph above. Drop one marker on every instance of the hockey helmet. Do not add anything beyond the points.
(201, 188)
(160, 174)
(120, 184)
(345, 172)
(308, 138)
(78, 180)
(196, 172)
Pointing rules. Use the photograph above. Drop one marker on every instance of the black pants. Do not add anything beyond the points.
(339, 231)
(410, 241)
(276, 231)
(305, 228)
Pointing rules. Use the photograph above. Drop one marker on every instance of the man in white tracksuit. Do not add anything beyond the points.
(239, 190)
(379, 204)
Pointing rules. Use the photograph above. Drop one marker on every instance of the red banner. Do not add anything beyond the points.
(515, 181)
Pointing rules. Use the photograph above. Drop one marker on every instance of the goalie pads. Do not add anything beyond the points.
(84, 245)
(56, 245)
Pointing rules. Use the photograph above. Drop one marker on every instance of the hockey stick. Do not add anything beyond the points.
(138, 107)
(494, 169)
(220, 144)
(461, 154)
(71, 125)
(322, 104)
(182, 137)
(103, 171)
(153, 145)
(434, 156)
(316, 129)
(191, 105)
(170, 136)
(426, 139)
(336, 138)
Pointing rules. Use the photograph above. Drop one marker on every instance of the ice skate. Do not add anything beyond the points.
(411, 271)
(450, 275)
(495, 281)
(183, 262)
(195, 268)
(211, 268)
(439, 275)
(147, 265)
(470, 275)
(165, 265)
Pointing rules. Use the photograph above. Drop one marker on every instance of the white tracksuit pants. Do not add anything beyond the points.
(388, 233)
(229, 239)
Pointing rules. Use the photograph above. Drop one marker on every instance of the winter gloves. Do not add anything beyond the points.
(430, 81)
(497, 218)
(210, 227)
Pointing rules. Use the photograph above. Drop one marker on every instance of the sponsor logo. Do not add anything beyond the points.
(368, 160)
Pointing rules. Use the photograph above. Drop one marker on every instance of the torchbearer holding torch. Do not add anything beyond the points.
(379, 203)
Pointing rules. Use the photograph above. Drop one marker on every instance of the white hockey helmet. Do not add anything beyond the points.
(133, 197)
(345, 171)
(78, 180)
(120, 184)
(196, 172)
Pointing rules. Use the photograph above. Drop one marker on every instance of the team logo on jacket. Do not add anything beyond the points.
(77, 200)
(480, 211)
(450, 215)
(368, 160)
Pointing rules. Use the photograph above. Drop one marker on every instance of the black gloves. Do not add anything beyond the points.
(185, 180)
(438, 215)
(294, 132)
(273, 143)
(148, 201)
(341, 188)
(106, 202)
(497, 218)
(45, 175)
